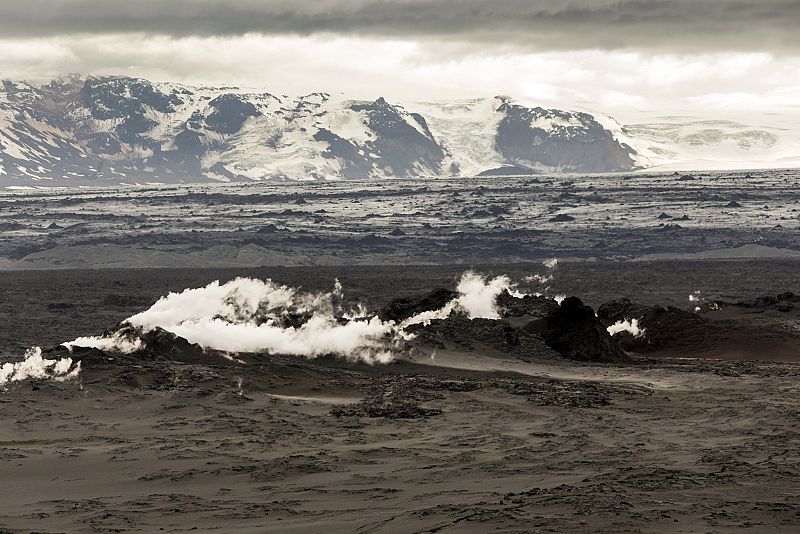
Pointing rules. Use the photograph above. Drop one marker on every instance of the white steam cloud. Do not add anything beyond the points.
(628, 325)
(37, 367)
(321, 335)
(551, 264)
(543, 279)
(250, 315)
(478, 296)
(116, 342)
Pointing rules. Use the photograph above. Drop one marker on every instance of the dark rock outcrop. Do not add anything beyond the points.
(509, 170)
(531, 327)
(158, 343)
(662, 325)
(529, 305)
(464, 333)
(400, 145)
(229, 113)
(575, 333)
(532, 137)
(729, 331)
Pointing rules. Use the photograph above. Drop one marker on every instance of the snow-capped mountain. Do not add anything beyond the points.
(120, 129)
(80, 130)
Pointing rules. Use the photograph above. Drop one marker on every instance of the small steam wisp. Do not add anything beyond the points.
(544, 279)
(699, 301)
(628, 325)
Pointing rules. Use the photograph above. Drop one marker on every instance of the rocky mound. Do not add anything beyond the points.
(156, 345)
(530, 327)
(713, 332)
(461, 332)
(664, 327)
(532, 306)
(576, 333)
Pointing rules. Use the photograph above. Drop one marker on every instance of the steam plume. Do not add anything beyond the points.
(250, 315)
(34, 366)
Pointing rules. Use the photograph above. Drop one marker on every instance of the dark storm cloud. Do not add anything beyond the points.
(671, 25)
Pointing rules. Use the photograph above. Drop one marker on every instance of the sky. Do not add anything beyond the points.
(630, 58)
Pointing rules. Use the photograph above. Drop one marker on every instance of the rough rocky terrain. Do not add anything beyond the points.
(743, 214)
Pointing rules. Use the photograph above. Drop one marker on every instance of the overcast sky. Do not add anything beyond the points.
(632, 58)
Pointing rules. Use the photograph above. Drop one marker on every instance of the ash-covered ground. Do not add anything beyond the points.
(489, 219)
(523, 416)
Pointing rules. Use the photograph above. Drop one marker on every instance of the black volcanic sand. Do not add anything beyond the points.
(456, 440)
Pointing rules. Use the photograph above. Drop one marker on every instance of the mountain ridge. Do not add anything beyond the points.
(117, 129)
